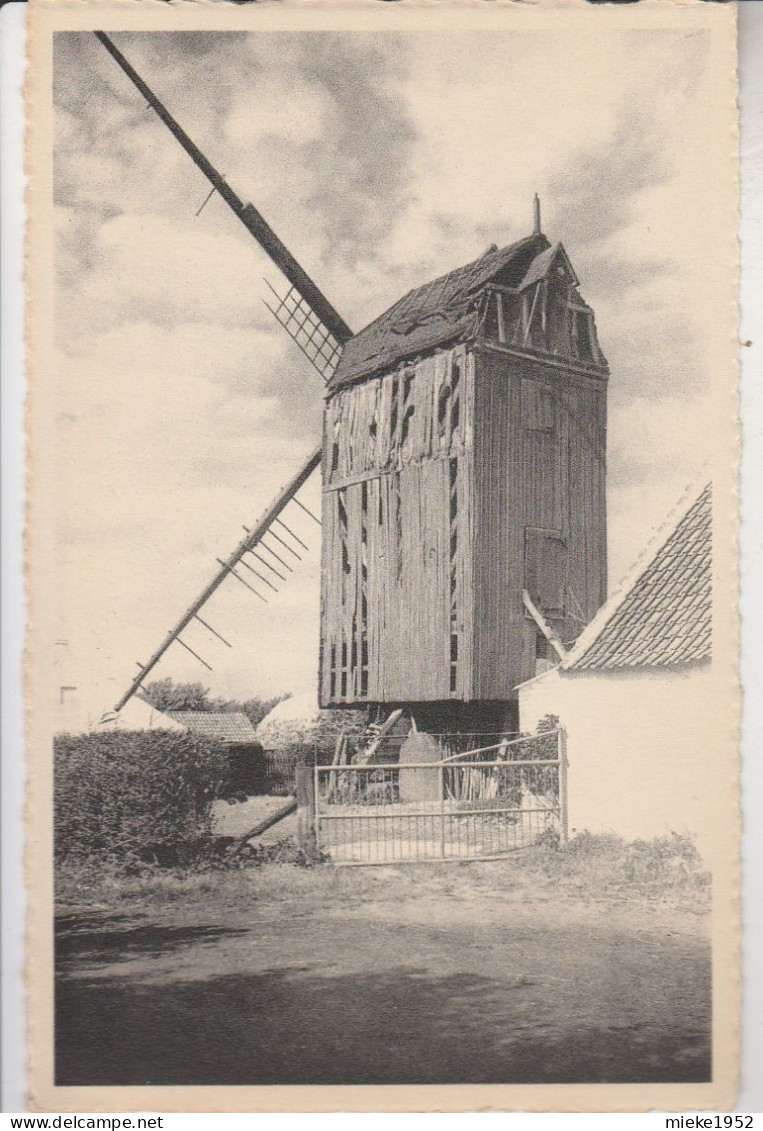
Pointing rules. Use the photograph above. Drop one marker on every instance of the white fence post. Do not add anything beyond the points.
(442, 811)
(561, 746)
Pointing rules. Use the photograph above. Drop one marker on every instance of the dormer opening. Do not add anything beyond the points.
(542, 312)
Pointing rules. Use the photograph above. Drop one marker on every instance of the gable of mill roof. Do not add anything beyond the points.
(662, 614)
(541, 265)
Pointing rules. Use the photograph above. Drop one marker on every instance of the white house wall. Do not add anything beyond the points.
(642, 748)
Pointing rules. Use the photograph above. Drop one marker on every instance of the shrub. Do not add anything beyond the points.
(318, 747)
(167, 695)
(542, 781)
(601, 861)
(141, 795)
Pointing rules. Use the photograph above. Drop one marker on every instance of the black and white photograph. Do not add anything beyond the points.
(383, 443)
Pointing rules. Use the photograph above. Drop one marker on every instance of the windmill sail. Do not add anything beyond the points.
(248, 544)
(318, 330)
(250, 217)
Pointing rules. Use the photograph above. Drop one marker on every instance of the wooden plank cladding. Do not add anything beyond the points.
(395, 610)
(415, 413)
(455, 480)
(539, 511)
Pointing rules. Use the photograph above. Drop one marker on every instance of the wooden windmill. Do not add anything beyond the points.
(463, 463)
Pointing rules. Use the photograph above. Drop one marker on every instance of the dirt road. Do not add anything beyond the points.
(431, 980)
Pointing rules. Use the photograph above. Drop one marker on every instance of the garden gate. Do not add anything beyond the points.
(475, 805)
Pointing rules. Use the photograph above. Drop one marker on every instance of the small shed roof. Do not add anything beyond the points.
(229, 726)
(663, 616)
(438, 312)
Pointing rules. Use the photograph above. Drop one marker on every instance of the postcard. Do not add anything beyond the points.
(382, 684)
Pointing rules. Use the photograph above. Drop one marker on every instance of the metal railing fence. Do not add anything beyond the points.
(468, 806)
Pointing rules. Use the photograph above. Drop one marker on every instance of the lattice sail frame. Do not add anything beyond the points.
(305, 328)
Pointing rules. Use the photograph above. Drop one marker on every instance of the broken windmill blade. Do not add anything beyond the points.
(307, 511)
(296, 537)
(265, 546)
(304, 312)
(254, 538)
(213, 630)
(319, 325)
(255, 223)
(238, 577)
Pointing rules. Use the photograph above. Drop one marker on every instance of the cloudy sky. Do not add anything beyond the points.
(381, 160)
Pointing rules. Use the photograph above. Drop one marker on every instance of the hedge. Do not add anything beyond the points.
(140, 794)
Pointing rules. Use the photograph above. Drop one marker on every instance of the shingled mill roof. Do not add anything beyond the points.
(437, 312)
(664, 616)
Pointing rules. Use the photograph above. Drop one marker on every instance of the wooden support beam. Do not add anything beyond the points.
(276, 556)
(543, 625)
(238, 577)
(257, 574)
(307, 511)
(266, 563)
(499, 311)
(296, 537)
(194, 654)
(365, 756)
(528, 324)
(286, 545)
(213, 631)
(263, 826)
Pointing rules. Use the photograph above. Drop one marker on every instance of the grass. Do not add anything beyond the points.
(588, 868)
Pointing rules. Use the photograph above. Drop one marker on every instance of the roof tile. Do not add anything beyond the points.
(229, 726)
(666, 616)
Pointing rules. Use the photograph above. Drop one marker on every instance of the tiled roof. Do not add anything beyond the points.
(230, 726)
(664, 617)
(436, 313)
